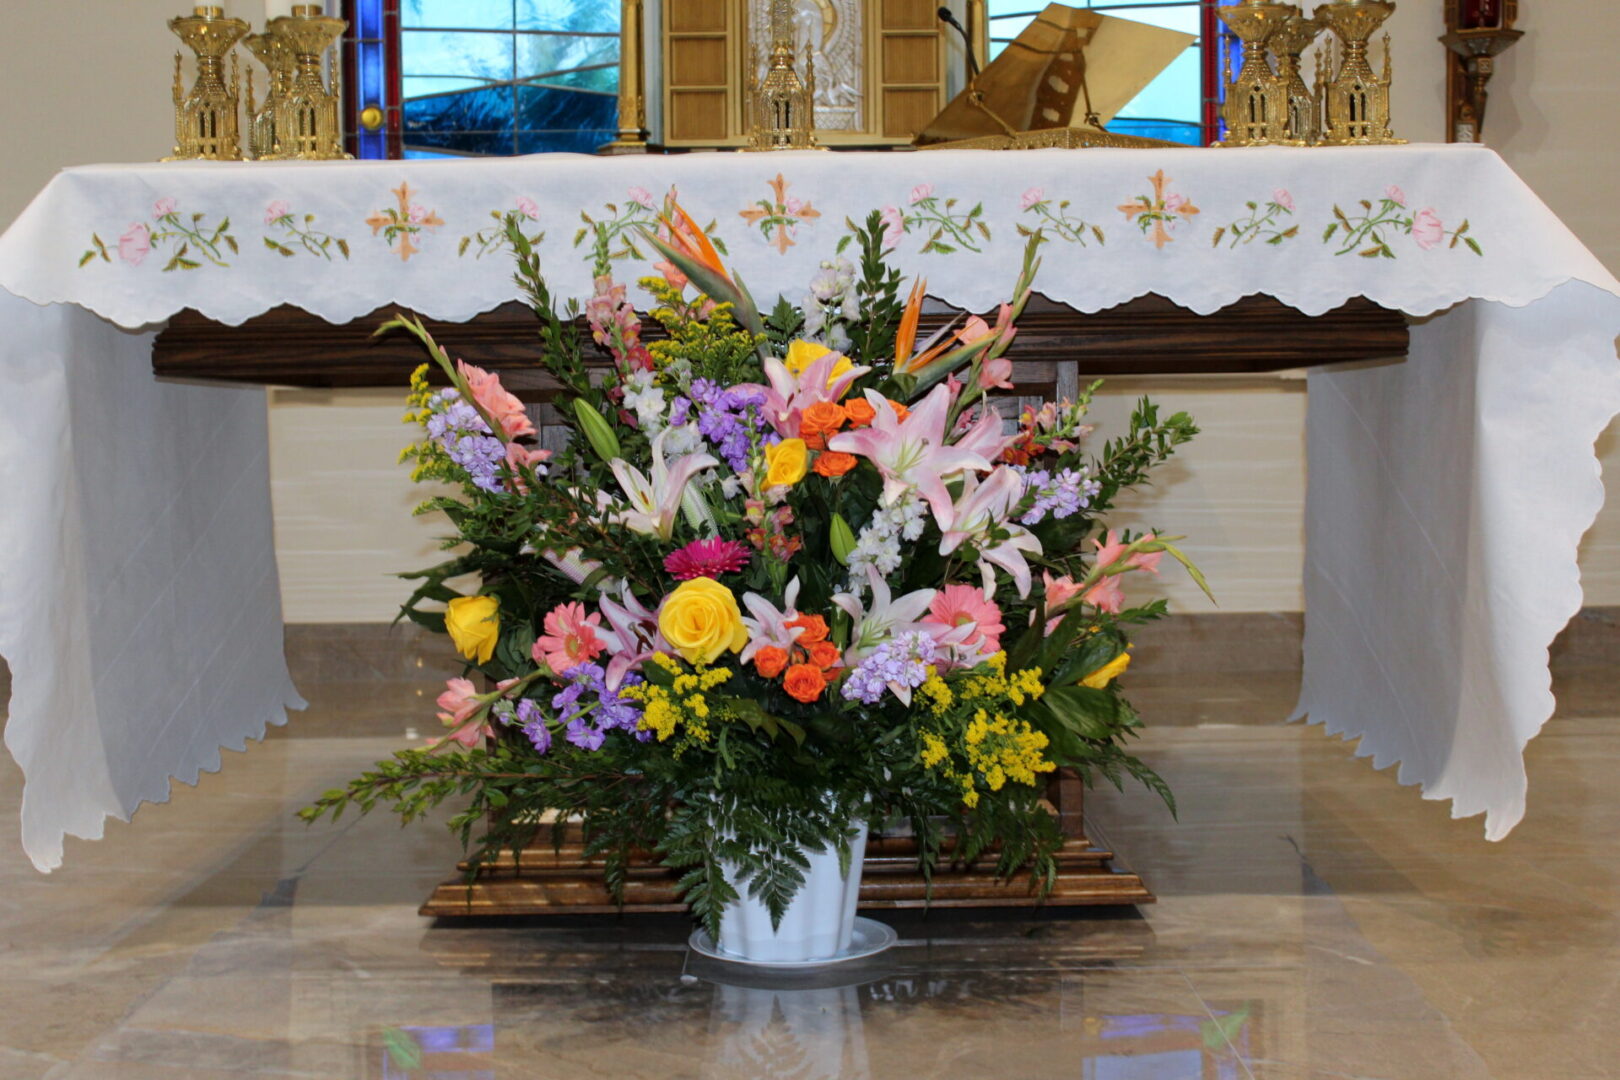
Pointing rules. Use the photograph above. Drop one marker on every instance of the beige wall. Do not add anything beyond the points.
(342, 505)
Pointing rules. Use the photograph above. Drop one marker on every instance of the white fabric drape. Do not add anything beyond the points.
(138, 603)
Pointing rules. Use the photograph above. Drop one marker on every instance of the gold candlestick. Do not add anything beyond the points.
(279, 62)
(1300, 108)
(205, 120)
(781, 107)
(306, 117)
(1355, 103)
(1253, 113)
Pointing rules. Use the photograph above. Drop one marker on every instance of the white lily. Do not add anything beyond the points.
(654, 502)
(886, 617)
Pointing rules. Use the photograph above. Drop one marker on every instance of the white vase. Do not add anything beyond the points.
(818, 922)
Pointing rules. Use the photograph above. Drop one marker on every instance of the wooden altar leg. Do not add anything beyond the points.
(552, 881)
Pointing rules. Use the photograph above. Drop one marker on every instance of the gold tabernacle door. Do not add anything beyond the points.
(1056, 84)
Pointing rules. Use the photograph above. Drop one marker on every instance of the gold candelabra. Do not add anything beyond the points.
(781, 107)
(1295, 105)
(279, 62)
(1355, 100)
(205, 119)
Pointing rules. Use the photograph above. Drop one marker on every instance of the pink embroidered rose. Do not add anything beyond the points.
(528, 208)
(1174, 201)
(1283, 199)
(793, 205)
(1033, 197)
(276, 211)
(1395, 195)
(164, 207)
(417, 214)
(135, 244)
(643, 196)
(894, 226)
(921, 192)
(1427, 229)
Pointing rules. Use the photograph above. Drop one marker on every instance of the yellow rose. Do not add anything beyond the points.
(473, 626)
(700, 619)
(1108, 672)
(786, 463)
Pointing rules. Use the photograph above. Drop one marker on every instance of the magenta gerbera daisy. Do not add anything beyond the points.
(707, 558)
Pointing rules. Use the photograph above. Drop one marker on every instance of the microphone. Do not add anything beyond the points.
(949, 18)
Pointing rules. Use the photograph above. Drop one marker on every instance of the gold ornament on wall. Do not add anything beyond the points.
(206, 118)
(1355, 100)
(781, 106)
(1477, 32)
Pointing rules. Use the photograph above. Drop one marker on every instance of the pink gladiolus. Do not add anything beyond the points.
(1058, 590)
(921, 192)
(1427, 229)
(164, 207)
(276, 211)
(502, 407)
(1110, 549)
(1145, 560)
(519, 457)
(1283, 199)
(1106, 595)
(996, 374)
(457, 705)
(1395, 195)
(136, 244)
(894, 226)
(1033, 197)
(972, 330)
(963, 605)
(570, 638)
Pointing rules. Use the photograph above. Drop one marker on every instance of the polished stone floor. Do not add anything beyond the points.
(1315, 921)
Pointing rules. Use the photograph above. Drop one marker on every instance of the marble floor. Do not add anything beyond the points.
(1315, 921)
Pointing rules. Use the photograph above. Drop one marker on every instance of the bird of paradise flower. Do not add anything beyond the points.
(398, 224)
(1158, 213)
(779, 219)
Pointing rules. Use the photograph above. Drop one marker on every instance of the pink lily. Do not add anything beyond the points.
(912, 453)
(631, 635)
(983, 507)
(654, 502)
(886, 617)
(787, 395)
(768, 626)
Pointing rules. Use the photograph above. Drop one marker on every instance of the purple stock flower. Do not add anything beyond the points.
(1062, 495)
(899, 664)
(534, 724)
(467, 439)
(588, 709)
(730, 419)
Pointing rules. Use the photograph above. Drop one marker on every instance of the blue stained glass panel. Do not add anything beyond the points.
(572, 16)
(487, 57)
(470, 14)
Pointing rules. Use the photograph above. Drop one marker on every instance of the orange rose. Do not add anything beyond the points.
(824, 654)
(804, 682)
(770, 661)
(859, 411)
(832, 463)
(900, 411)
(815, 628)
(822, 418)
(813, 442)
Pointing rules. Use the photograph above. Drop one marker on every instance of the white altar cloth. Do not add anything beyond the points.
(138, 599)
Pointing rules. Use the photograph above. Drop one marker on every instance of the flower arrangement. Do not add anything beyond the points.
(794, 572)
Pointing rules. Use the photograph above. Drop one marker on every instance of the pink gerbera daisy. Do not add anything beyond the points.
(570, 638)
(707, 558)
(958, 605)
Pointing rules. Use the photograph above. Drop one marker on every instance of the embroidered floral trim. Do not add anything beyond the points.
(397, 225)
(1057, 218)
(1263, 222)
(299, 233)
(190, 241)
(614, 236)
(948, 230)
(493, 238)
(1157, 214)
(1365, 233)
(779, 218)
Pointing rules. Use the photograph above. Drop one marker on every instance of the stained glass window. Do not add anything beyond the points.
(1177, 104)
(500, 77)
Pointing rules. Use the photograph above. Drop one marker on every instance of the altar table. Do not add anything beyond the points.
(139, 606)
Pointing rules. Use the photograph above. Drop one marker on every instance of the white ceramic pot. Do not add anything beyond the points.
(817, 924)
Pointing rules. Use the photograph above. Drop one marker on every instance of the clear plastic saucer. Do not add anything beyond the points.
(868, 938)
